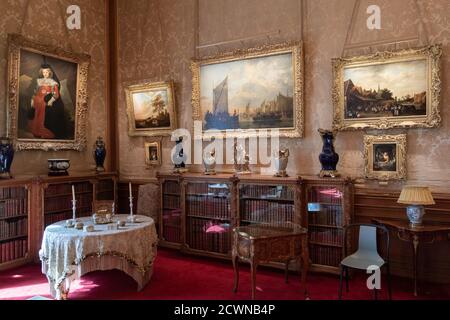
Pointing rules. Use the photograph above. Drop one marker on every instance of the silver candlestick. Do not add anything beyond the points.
(74, 210)
(131, 218)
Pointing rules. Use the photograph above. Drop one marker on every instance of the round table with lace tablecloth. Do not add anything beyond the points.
(67, 253)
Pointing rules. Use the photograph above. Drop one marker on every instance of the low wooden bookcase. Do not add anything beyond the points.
(28, 205)
(198, 212)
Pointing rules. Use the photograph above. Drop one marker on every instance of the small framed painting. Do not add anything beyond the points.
(399, 89)
(385, 157)
(151, 109)
(153, 153)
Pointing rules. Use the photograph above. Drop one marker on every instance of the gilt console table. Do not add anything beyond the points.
(68, 253)
(427, 233)
(259, 243)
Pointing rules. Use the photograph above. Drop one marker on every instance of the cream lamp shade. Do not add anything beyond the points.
(414, 195)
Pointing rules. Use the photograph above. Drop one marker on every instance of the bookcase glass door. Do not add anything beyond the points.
(171, 214)
(325, 225)
(269, 204)
(106, 189)
(208, 217)
(13, 223)
(58, 201)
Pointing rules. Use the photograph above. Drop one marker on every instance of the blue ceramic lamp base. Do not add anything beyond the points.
(415, 215)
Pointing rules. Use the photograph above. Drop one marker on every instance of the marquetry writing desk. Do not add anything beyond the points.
(261, 243)
(427, 233)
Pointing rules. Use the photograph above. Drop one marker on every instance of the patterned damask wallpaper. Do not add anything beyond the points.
(46, 21)
(158, 39)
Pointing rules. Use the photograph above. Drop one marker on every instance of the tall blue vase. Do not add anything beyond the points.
(328, 158)
(6, 158)
(99, 154)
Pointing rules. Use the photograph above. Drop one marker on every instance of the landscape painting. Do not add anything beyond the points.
(151, 110)
(399, 89)
(257, 90)
(386, 90)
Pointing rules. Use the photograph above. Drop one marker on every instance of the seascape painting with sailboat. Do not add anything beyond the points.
(255, 93)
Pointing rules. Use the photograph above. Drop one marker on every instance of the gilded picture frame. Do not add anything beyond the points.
(151, 108)
(358, 104)
(153, 153)
(249, 105)
(63, 109)
(385, 157)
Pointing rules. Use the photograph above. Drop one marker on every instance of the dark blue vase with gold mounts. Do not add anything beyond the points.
(328, 158)
(6, 158)
(99, 154)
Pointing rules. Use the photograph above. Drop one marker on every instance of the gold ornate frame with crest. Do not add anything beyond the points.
(374, 145)
(293, 48)
(147, 87)
(432, 118)
(19, 46)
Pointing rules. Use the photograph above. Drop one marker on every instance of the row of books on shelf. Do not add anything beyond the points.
(266, 211)
(327, 256)
(213, 235)
(65, 203)
(171, 187)
(170, 201)
(13, 207)
(264, 192)
(213, 207)
(9, 229)
(324, 235)
(331, 217)
(13, 192)
(65, 215)
(66, 188)
(13, 250)
(328, 195)
(172, 217)
(172, 233)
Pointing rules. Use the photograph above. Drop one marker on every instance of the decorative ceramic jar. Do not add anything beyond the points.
(6, 158)
(281, 160)
(99, 154)
(328, 158)
(178, 157)
(209, 161)
(58, 167)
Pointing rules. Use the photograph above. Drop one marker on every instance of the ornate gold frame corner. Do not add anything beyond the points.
(149, 162)
(15, 44)
(401, 151)
(294, 47)
(432, 119)
(146, 85)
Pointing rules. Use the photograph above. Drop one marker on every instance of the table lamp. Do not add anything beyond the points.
(416, 198)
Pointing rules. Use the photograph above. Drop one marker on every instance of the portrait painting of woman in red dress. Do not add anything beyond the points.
(47, 98)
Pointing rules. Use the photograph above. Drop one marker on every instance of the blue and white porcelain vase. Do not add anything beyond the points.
(6, 158)
(99, 154)
(328, 158)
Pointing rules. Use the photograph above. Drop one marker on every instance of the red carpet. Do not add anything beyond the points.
(182, 277)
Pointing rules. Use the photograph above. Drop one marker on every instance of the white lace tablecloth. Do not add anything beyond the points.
(68, 253)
